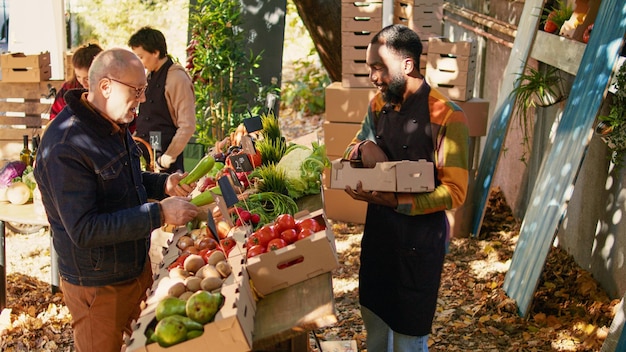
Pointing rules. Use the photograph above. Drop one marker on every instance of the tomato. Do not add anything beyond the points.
(275, 244)
(304, 233)
(266, 233)
(208, 253)
(255, 250)
(290, 235)
(309, 223)
(255, 159)
(252, 240)
(300, 259)
(227, 244)
(178, 263)
(284, 222)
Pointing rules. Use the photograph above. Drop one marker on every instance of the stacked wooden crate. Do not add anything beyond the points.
(425, 17)
(360, 20)
(17, 67)
(451, 67)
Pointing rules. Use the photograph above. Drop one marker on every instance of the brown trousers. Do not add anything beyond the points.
(101, 315)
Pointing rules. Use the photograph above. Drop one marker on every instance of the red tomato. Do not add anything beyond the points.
(275, 244)
(255, 250)
(290, 235)
(309, 223)
(304, 233)
(227, 244)
(253, 240)
(178, 263)
(284, 222)
(209, 252)
(266, 233)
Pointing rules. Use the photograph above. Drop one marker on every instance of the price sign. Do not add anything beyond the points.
(253, 124)
(228, 192)
(241, 162)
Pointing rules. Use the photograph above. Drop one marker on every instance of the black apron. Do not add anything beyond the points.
(154, 115)
(402, 256)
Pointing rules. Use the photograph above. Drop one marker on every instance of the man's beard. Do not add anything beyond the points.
(395, 90)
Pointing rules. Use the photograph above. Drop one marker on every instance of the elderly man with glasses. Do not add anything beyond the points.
(96, 199)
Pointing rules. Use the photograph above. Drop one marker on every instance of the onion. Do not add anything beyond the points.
(18, 193)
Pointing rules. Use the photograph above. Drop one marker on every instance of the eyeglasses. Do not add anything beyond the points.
(138, 91)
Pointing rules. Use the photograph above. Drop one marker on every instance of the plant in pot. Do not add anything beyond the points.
(535, 88)
(612, 127)
(555, 16)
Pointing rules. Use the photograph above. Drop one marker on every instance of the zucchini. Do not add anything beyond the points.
(202, 168)
(206, 197)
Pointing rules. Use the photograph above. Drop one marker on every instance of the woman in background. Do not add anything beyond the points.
(81, 60)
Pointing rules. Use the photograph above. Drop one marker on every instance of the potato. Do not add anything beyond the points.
(211, 283)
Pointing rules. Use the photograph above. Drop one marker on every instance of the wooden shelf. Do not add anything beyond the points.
(560, 52)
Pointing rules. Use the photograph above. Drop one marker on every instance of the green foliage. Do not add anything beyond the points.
(558, 13)
(273, 145)
(535, 88)
(305, 93)
(111, 24)
(302, 88)
(222, 69)
(612, 127)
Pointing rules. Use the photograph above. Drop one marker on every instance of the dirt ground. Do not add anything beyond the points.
(570, 311)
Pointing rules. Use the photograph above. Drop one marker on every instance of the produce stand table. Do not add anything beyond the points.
(289, 313)
(23, 214)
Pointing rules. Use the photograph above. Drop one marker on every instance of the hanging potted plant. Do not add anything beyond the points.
(612, 127)
(534, 88)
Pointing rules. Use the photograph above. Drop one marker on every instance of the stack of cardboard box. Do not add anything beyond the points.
(345, 109)
(18, 67)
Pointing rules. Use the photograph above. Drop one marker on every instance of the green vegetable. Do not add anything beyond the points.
(271, 179)
(274, 204)
(304, 167)
(202, 168)
(206, 197)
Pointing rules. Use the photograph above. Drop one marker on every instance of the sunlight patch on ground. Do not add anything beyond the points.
(344, 285)
(492, 264)
(348, 241)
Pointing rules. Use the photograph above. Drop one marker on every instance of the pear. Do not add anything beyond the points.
(170, 331)
(169, 306)
(189, 323)
(203, 305)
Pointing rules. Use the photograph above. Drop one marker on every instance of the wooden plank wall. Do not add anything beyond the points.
(24, 109)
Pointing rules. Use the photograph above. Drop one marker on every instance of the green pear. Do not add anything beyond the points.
(203, 305)
(170, 306)
(170, 331)
(193, 334)
(189, 323)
